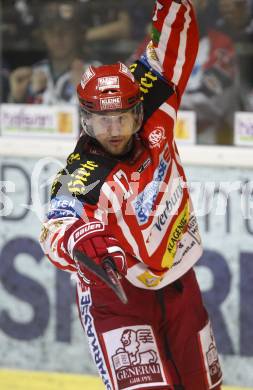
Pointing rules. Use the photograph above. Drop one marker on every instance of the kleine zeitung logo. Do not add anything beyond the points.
(111, 103)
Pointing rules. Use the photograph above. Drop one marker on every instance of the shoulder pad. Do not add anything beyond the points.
(83, 177)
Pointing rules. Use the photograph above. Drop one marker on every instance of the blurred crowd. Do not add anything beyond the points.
(46, 46)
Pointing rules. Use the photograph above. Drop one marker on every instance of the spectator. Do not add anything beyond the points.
(235, 18)
(141, 32)
(124, 23)
(54, 79)
(17, 23)
(212, 91)
(114, 29)
(105, 22)
(4, 83)
(140, 20)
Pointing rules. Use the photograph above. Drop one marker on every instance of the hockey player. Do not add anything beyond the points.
(123, 196)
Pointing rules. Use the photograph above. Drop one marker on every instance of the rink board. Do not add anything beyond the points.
(22, 380)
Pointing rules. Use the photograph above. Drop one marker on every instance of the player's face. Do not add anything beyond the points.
(114, 131)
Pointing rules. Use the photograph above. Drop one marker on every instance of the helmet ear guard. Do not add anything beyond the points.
(86, 128)
(139, 114)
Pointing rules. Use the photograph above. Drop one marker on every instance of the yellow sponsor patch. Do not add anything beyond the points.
(73, 157)
(44, 234)
(146, 82)
(175, 236)
(56, 182)
(80, 177)
(149, 279)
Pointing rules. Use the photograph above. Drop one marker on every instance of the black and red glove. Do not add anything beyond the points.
(94, 240)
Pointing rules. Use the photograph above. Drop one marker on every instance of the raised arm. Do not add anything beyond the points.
(174, 41)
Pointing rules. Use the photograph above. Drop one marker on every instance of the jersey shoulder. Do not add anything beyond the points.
(83, 176)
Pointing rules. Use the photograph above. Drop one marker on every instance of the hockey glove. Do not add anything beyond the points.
(96, 242)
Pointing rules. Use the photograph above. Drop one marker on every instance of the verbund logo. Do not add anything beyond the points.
(112, 103)
(146, 199)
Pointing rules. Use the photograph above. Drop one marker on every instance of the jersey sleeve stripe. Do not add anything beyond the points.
(182, 48)
(66, 267)
(176, 44)
(166, 31)
(168, 109)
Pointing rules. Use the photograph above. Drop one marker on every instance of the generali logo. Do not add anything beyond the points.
(136, 361)
(111, 103)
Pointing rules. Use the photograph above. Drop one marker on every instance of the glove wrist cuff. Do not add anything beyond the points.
(80, 230)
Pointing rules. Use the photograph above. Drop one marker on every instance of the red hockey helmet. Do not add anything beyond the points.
(108, 89)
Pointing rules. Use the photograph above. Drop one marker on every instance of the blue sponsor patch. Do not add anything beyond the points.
(145, 201)
(65, 206)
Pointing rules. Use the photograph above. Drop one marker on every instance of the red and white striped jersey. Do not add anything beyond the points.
(142, 197)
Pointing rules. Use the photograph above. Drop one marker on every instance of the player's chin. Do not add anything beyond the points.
(116, 149)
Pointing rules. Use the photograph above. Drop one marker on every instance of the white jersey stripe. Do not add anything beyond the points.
(166, 31)
(182, 48)
(106, 189)
(55, 253)
(60, 261)
(168, 109)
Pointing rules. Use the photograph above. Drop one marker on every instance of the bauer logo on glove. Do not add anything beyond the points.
(95, 241)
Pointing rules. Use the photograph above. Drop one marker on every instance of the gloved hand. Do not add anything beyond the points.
(94, 240)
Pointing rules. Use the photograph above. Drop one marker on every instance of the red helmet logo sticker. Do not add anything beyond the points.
(111, 82)
(126, 71)
(87, 76)
(111, 103)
